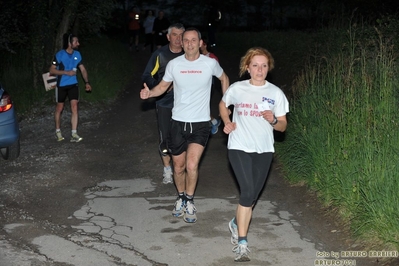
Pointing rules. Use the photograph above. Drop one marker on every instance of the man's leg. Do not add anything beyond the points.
(193, 156)
(164, 114)
(57, 119)
(57, 115)
(179, 174)
(179, 167)
(194, 153)
(74, 115)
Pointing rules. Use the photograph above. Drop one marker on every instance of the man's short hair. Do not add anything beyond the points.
(178, 26)
(194, 29)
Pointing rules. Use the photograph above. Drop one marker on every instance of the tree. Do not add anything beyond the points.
(38, 26)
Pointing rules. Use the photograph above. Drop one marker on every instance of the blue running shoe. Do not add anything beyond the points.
(234, 232)
(215, 128)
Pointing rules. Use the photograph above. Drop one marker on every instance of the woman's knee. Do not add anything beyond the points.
(246, 201)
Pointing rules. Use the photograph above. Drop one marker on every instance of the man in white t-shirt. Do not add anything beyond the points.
(191, 75)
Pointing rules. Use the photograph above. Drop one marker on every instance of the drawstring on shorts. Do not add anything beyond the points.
(191, 127)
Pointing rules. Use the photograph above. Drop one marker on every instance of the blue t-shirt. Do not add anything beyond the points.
(65, 61)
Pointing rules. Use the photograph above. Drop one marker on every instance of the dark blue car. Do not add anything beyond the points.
(9, 128)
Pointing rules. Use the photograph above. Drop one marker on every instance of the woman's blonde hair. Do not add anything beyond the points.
(246, 59)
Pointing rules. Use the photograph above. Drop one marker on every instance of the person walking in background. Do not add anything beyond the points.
(214, 17)
(259, 108)
(65, 64)
(161, 25)
(148, 25)
(152, 75)
(191, 75)
(134, 28)
(204, 50)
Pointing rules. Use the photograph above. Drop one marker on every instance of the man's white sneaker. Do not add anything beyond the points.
(59, 136)
(167, 177)
(189, 214)
(179, 208)
(75, 138)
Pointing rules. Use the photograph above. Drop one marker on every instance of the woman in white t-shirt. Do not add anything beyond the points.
(259, 108)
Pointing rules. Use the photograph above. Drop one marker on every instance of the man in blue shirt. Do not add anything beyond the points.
(65, 65)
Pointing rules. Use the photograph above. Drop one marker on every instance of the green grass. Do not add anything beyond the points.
(344, 123)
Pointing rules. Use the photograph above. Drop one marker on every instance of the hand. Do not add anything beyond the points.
(145, 92)
(268, 116)
(229, 127)
(170, 88)
(88, 87)
(70, 73)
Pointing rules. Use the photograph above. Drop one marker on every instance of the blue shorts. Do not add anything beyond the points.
(183, 133)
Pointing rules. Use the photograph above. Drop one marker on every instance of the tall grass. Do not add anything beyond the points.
(108, 63)
(344, 131)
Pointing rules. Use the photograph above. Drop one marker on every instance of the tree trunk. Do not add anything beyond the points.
(44, 17)
(66, 24)
(37, 31)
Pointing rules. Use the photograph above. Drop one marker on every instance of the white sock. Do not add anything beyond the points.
(214, 121)
(74, 132)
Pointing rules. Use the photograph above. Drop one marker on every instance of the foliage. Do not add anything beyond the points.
(93, 15)
(39, 25)
(344, 129)
(100, 56)
(11, 29)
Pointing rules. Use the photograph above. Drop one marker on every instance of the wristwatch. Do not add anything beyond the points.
(274, 121)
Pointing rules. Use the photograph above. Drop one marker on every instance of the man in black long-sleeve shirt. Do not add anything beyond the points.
(152, 75)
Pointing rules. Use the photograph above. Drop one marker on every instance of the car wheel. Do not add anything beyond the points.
(11, 152)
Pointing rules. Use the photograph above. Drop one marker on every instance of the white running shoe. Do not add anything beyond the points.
(167, 176)
(189, 214)
(179, 208)
(59, 136)
(75, 138)
(234, 232)
(241, 251)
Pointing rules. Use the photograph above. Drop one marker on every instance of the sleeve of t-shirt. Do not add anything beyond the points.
(217, 70)
(55, 61)
(282, 106)
(227, 96)
(79, 56)
(168, 77)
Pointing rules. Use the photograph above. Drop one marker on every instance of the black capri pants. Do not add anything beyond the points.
(251, 171)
